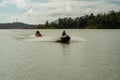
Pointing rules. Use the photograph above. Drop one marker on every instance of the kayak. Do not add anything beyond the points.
(64, 39)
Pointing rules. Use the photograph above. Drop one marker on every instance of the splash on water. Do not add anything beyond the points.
(44, 38)
(53, 39)
(47, 38)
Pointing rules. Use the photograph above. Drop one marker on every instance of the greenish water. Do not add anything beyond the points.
(92, 55)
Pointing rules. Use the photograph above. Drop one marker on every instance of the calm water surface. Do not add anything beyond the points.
(95, 58)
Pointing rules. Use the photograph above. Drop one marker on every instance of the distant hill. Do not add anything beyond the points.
(17, 25)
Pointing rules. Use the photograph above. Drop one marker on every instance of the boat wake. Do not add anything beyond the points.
(53, 39)
(46, 38)
(77, 39)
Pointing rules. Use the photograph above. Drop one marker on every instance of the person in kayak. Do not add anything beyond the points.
(64, 38)
(64, 33)
(38, 34)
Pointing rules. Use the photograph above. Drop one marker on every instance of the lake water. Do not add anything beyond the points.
(91, 55)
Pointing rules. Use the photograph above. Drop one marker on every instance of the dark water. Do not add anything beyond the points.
(96, 56)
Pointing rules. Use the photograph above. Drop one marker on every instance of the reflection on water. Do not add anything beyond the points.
(24, 57)
(65, 48)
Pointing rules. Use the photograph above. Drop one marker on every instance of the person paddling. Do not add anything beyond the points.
(64, 38)
(38, 34)
(64, 33)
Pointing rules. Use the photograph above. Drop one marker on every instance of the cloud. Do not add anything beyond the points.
(64, 0)
(115, 2)
(72, 8)
(65, 10)
(29, 12)
(17, 3)
(20, 3)
(1, 5)
(39, 12)
(78, 8)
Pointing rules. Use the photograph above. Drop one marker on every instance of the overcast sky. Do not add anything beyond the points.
(39, 11)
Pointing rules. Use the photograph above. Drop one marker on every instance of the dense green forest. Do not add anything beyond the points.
(110, 20)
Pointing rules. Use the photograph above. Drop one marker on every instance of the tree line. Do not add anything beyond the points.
(110, 20)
